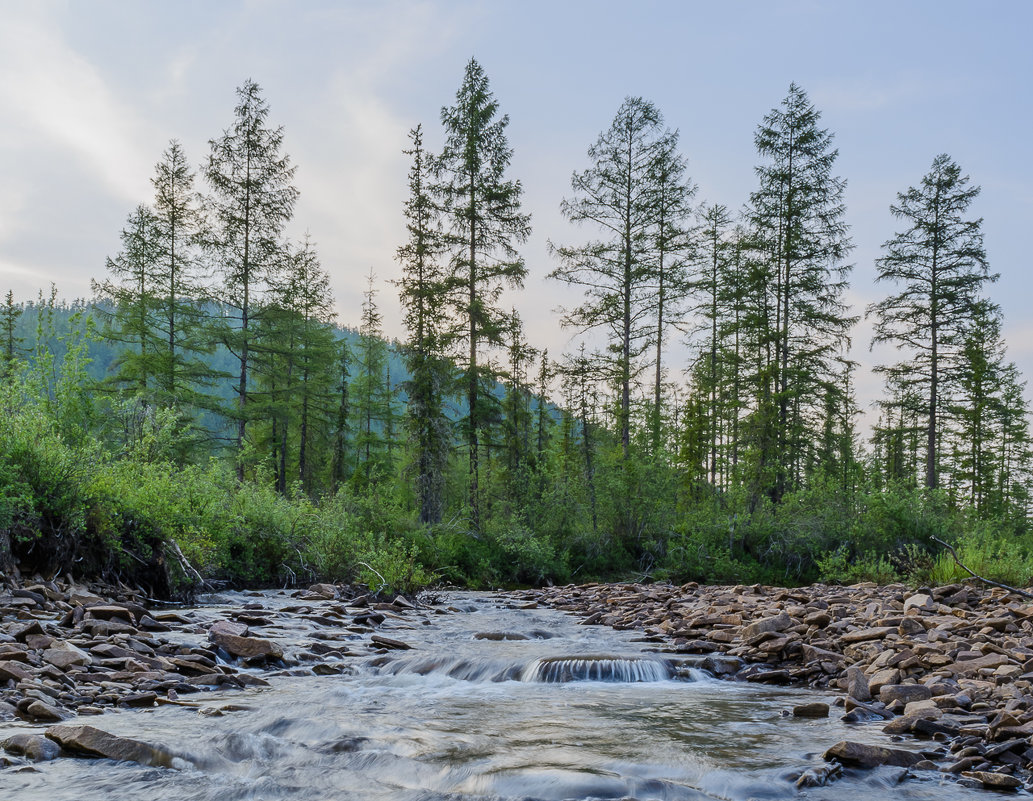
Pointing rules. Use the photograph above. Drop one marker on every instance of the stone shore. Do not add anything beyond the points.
(72, 650)
(950, 666)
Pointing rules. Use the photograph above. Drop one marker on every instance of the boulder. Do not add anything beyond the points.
(64, 655)
(89, 741)
(870, 756)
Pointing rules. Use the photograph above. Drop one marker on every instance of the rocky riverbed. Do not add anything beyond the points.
(947, 671)
(72, 650)
(950, 665)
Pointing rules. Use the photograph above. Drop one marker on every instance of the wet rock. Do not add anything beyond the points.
(387, 642)
(84, 740)
(31, 746)
(996, 781)
(870, 756)
(43, 712)
(819, 777)
(246, 648)
(325, 592)
(812, 710)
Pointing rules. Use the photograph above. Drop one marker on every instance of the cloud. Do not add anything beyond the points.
(49, 92)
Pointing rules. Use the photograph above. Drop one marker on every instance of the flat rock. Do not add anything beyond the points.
(905, 693)
(999, 781)
(921, 602)
(387, 642)
(64, 655)
(864, 635)
(967, 667)
(246, 647)
(870, 756)
(45, 712)
(779, 622)
(13, 670)
(90, 741)
(813, 710)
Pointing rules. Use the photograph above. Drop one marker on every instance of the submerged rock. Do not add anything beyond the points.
(33, 747)
(88, 741)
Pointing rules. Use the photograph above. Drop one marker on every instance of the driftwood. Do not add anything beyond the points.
(957, 561)
(188, 568)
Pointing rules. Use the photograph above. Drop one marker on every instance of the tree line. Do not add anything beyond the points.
(496, 462)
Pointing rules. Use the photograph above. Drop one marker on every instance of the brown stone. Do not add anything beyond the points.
(999, 781)
(246, 647)
(13, 670)
(870, 756)
(968, 667)
(812, 710)
(905, 693)
(90, 741)
(779, 622)
(31, 746)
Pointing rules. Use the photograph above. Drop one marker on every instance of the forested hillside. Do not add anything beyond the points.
(208, 397)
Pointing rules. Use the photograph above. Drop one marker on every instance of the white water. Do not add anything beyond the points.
(482, 719)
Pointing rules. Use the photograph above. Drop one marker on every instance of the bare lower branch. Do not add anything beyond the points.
(957, 561)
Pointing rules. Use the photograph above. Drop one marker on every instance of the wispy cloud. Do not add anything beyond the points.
(51, 93)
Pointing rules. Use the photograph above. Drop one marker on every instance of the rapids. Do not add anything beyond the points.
(491, 703)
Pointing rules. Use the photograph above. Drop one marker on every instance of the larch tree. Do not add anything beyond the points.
(938, 266)
(179, 316)
(616, 196)
(801, 240)
(9, 339)
(130, 290)
(483, 224)
(423, 292)
(251, 201)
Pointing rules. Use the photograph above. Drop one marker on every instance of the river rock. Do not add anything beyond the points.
(64, 655)
(47, 713)
(905, 693)
(90, 741)
(857, 685)
(812, 710)
(870, 756)
(387, 642)
(13, 670)
(921, 602)
(776, 623)
(968, 667)
(247, 648)
(33, 747)
(997, 781)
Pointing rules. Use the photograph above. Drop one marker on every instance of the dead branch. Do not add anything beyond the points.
(188, 568)
(957, 561)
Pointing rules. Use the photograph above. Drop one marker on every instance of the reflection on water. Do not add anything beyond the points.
(452, 719)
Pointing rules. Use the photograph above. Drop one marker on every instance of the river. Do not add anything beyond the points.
(493, 702)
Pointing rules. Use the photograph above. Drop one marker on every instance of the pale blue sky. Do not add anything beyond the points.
(91, 92)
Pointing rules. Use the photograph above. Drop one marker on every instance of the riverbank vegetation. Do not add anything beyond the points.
(205, 410)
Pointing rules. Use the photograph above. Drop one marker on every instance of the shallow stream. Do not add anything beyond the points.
(473, 712)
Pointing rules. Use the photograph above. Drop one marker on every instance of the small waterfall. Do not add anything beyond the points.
(556, 669)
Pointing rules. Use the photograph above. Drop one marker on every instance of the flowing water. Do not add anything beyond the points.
(491, 703)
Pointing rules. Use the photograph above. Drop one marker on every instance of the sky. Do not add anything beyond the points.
(92, 92)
